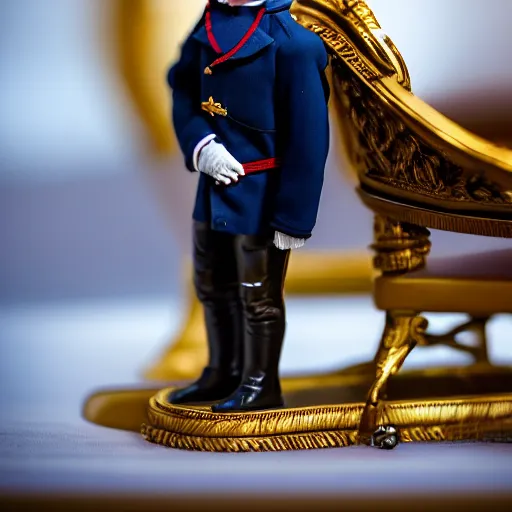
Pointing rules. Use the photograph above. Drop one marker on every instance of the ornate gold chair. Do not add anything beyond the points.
(417, 170)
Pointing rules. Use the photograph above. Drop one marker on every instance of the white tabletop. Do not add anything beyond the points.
(53, 356)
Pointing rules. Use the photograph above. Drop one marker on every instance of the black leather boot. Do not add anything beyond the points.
(260, 387)
(224, 371)
(215, 279)
(262, 281)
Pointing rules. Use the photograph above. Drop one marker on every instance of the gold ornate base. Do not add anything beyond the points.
(450, 404)
(126, 409)
(121, 409)
(327, 426)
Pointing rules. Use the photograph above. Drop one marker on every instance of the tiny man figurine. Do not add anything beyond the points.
(250, 113)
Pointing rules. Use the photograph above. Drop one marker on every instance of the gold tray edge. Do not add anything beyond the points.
(494, 431)
(200, 422)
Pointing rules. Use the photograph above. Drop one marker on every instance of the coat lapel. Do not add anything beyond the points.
(230, 29)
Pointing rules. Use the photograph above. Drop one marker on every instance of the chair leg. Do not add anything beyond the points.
(402, 332)
(480, 350)
(399, 247)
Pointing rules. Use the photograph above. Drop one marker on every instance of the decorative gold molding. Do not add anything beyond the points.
(400, 247)
(403, 150)
(498, 431)
(327, 426)
(402, 332)
(352, 31)
(126, 409)
(396, 159)
(345, 50)
(483, 225)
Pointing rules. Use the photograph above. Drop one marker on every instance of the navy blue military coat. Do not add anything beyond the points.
(275, 93)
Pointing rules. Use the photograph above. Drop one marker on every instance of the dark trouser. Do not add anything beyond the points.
(239, 280)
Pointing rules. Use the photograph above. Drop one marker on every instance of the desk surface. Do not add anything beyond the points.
(53, 356)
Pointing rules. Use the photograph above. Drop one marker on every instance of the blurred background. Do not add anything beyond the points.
(95, 202)
(86, 202)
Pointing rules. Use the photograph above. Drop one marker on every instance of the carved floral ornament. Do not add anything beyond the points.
(386, 150)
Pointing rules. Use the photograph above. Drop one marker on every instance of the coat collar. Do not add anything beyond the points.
(278, 5)
(229, 30)
(274, 5)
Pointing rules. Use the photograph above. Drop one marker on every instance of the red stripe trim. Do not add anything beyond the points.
(261, 165)
(209, 30)
(239, 46)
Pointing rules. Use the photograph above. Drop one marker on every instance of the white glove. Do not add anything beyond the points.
(216, 161)
(285, 242)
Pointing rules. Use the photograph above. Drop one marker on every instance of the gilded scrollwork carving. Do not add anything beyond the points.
(394, 156)
(403, 331)
(352, 32)
(387, 154)
(399, 247)
(346, 51)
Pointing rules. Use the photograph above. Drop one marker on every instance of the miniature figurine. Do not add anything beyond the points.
(250, 113)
